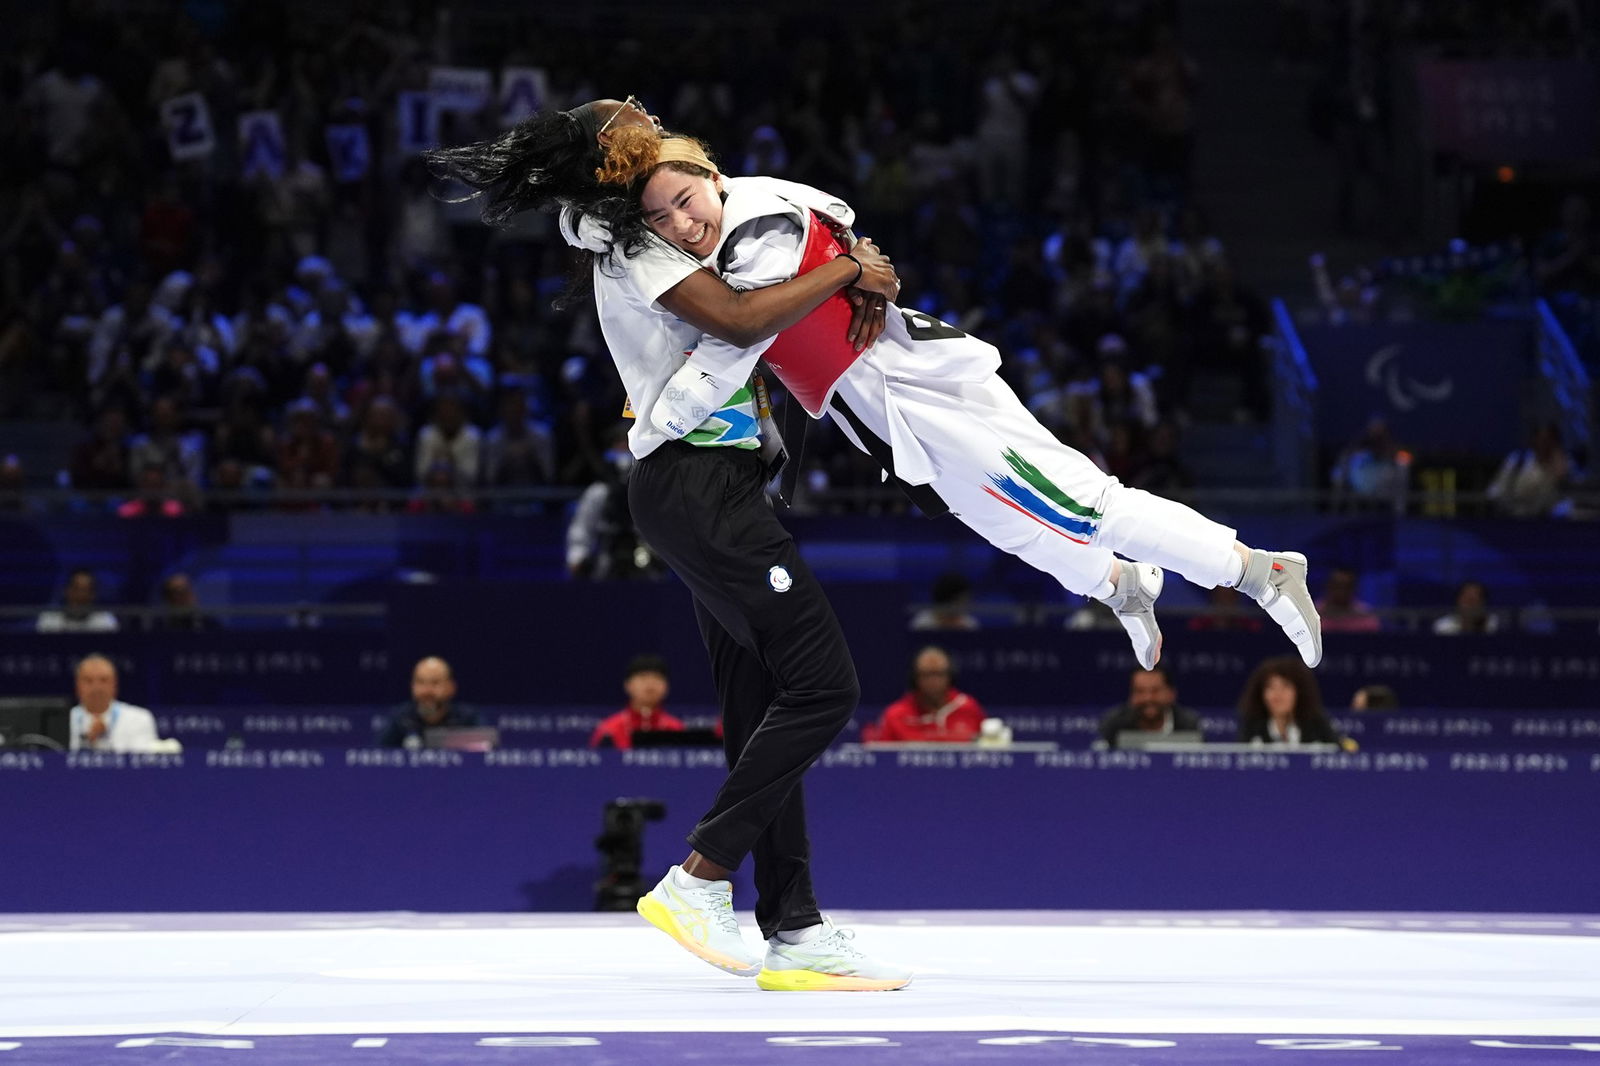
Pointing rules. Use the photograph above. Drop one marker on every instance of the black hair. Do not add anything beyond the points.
(647, 664)
(544, 163)
(1158, 668)
(950, 587)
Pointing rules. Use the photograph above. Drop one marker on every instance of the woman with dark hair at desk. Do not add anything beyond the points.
(1282, 704)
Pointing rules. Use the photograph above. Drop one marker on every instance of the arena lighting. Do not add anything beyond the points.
(621, 847)
(1505, 175)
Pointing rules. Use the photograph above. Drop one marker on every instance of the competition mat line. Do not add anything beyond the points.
(1003, 986)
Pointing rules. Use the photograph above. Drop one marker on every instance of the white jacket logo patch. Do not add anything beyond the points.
(779, 579)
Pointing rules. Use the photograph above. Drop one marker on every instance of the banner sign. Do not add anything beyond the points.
(1442, 387)
(187, 120)
(1510, 110)
(263, 152)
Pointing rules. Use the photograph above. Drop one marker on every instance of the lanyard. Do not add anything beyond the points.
(80, 723)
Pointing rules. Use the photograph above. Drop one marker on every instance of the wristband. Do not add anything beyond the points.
(859, 269)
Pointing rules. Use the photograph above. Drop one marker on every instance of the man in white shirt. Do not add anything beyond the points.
(100, 721)
(77, 614)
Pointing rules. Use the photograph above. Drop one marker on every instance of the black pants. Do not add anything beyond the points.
(783, 672)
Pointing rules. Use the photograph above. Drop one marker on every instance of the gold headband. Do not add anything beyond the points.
(684, 150)
(634, 152)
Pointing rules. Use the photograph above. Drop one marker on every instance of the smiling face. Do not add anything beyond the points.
(684, 209)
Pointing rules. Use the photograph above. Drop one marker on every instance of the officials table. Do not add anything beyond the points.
(357, 829)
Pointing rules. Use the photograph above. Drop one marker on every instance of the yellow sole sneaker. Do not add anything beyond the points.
(656, 913)
(812, 981)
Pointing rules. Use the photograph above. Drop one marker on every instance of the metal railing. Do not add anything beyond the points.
(1294, 407)
(1569, 393)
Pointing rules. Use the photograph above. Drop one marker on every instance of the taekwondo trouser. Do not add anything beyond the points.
(785, 680)
(1007, 477)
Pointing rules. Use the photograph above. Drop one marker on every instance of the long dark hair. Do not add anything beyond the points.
(1309, 714)
(544, 163)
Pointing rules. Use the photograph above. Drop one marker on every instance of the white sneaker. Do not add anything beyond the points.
(1277, 581)
(828, 962)
(1133, 602)
(702, 920)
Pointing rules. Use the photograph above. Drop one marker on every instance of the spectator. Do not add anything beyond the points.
(78, 614)
(308, 456)
(932, 710)
(377, 457)
(1472, 614)
(1152, 707)
(602, 541)
(518, 450)
(100, 463)
(1225, 612)
(1532, 480)
(100, 721)
(1375, 698)
(1282, 704)
(451, 437)
(157, 496)
(180, 456)
(442, 492)
(432, 706)
(647, 682)
(952, 595)
(1373, 470)
(180, 608)
(1341, 611)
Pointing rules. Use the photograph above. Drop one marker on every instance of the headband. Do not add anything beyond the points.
(634, 152)
(586, 121)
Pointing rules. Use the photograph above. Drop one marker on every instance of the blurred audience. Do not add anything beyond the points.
(1533, 480)
(78, 613)
(1471, 614)
(180, 608)
(1341, 611)
(951, 596)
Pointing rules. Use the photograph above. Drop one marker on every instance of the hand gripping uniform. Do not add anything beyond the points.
(927, 402)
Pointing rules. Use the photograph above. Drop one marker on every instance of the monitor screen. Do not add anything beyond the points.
(34, 722)
(463, 738)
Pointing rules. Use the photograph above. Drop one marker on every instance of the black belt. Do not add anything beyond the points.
(929, 502)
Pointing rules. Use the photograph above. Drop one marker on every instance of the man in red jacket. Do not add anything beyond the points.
(645, 682)
(933, 710)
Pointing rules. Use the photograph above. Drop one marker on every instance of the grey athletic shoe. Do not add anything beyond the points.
(1134, 604)
(1277, 581)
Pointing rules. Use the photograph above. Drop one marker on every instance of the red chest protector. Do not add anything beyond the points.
(812, 355)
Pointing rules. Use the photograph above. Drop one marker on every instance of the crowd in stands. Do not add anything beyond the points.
(232, 329)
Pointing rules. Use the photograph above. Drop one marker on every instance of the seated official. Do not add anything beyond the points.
(934, 710)
(1282, 704)
(433, 706)
(647, 683)
(100, 721)
(1152, 707)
